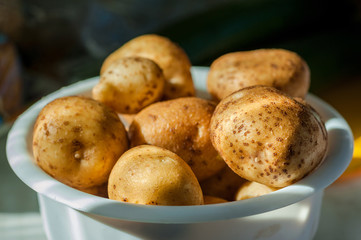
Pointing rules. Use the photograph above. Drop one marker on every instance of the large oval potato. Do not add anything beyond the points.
(130, 84)
(170, 57)
(278, 68)
(155, 176)
(181, 126)
(268, 137)
(77, 140)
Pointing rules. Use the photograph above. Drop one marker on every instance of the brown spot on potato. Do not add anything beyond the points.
(52, 166)
(77, 129)
(150, 93)
(153, 117)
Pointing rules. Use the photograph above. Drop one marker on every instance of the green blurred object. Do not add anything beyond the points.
(15, 196)
(230, 27)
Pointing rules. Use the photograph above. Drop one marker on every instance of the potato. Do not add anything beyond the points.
(100, 191)
(126, 119)
(155, 176)
(181, 126)
(253, 189)
(266, 136)
(77, 140)
(277, 68)
(130, 84)
(223, 184)
(213, 200)
(170, 57)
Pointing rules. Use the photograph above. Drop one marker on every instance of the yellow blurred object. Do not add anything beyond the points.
(354, 169)
(357, 150)
(346, 99)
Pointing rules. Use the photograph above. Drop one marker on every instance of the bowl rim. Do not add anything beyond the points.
(20, 158)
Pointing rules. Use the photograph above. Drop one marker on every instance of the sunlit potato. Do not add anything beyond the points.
(253, 189)
(77, 140)
(223, 184)
(278, 68)
(181, 126)
(130, 84)
(168, 55)
(268, 137)
(153, 176)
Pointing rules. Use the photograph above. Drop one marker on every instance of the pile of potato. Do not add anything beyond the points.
(171, 148)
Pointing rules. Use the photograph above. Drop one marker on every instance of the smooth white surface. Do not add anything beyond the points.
(297, 222)
(340, 217)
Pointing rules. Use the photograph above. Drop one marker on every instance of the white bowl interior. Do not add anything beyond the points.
(19, 152)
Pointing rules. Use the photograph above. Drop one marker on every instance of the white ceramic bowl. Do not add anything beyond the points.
(289, 213)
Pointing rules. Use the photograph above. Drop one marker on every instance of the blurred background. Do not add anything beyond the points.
(45, 45)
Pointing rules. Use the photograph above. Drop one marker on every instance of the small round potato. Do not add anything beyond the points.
(268, 137)
(170, 57)
(213, 200)
(181, 126)
(154, 176)
(223, 184)
(277, 68)
(77, 140)
(130, 84)
(253, 189)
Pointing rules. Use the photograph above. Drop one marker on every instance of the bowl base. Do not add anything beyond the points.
(296, 221)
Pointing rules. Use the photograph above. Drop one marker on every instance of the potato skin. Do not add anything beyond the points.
(213, 200)
(268, 137)
(278, 68)
(253, 189)
(130, 84)
(170, 57)
(77, 140)
(154, 176)
(181, 126)
(223, 184)
(100, 191)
